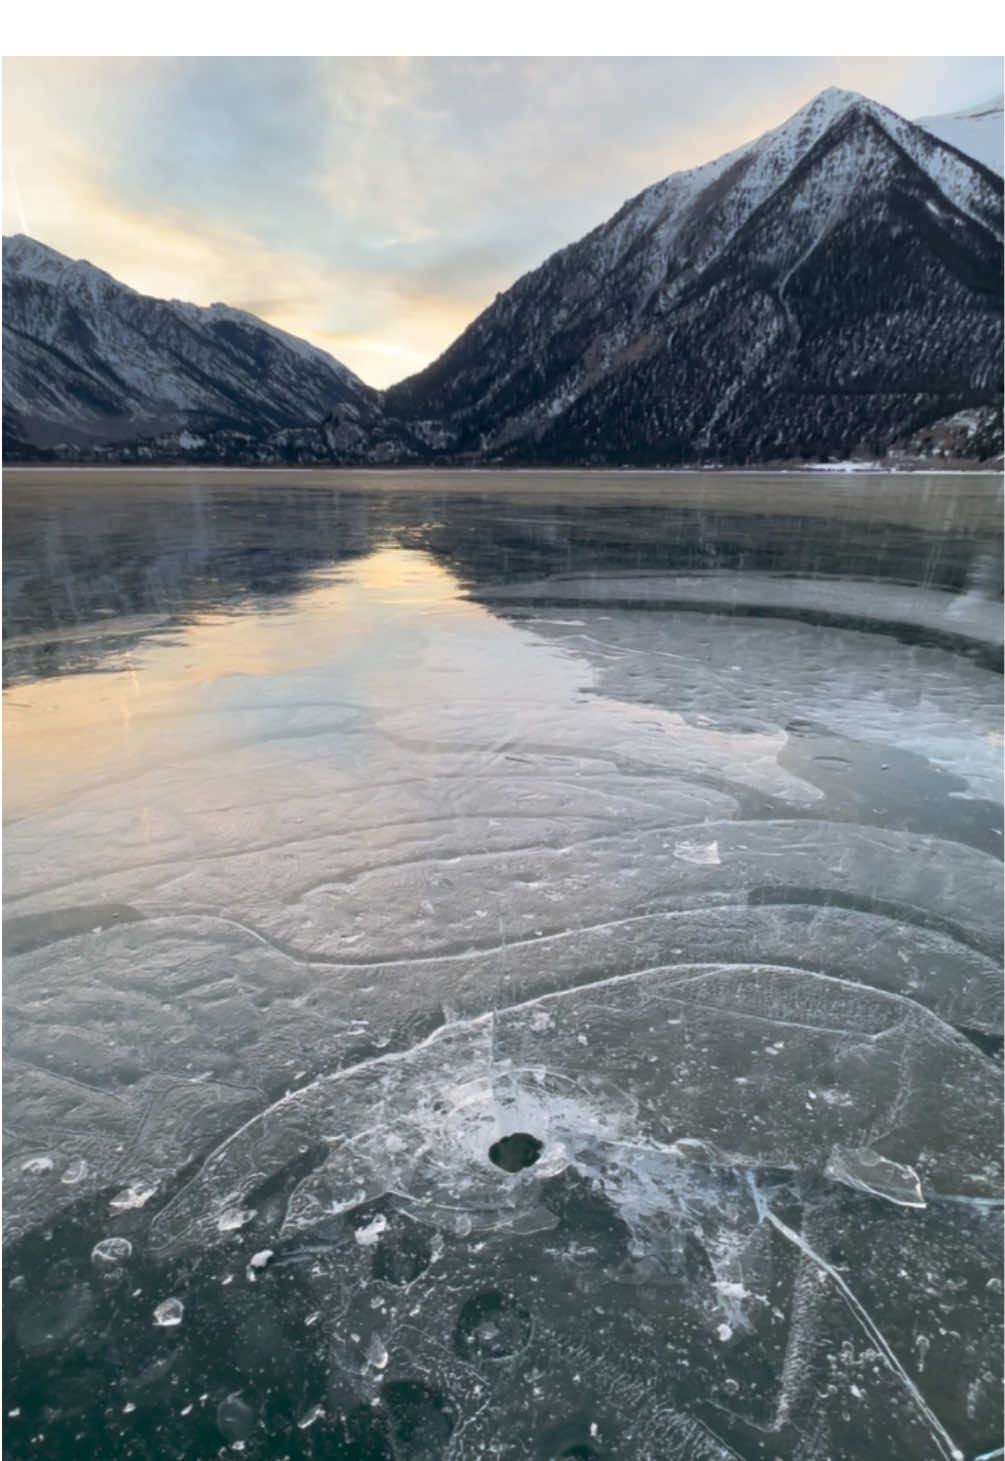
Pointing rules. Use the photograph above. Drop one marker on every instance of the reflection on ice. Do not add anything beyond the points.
(457, 1027)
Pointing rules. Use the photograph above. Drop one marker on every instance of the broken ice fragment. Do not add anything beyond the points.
(370, 1234)
(869, 1172)
(137, 1194)
(234, 1218)
(168, 1313)
(376, 1354)
(731, 1290)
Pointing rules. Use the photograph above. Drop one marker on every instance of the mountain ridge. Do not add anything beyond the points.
(829, 287)
(90, 360)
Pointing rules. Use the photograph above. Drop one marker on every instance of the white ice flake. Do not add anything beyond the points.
(705, 854)
(169, 1313)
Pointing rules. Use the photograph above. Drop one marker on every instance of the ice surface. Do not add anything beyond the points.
(655, 1194)
(689, 1054)
(518, 1032)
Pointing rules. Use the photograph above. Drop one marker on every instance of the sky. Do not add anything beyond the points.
(375, 205)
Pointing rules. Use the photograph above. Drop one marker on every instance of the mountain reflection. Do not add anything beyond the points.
(97, 565)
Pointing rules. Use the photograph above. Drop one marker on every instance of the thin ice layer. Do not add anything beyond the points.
(758, 1066)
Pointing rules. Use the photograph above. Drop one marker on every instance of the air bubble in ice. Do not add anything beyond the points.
(36, 1166)
(421, 1423)
(111, 1250)
(234, 1418)
(491, 1326)
(514, 1152)
(403, 1253)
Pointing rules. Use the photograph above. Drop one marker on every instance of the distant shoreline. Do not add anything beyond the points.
(944, 467)
(975, 499)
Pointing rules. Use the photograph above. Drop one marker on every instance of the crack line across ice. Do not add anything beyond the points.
(709, 971)
(945, 1442)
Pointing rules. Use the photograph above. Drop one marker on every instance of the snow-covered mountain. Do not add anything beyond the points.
(834, 285)
(979, 131)
(90, 362)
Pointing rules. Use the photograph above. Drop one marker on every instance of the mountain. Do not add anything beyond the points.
(979, 131)
(834, 286)
(92, 366)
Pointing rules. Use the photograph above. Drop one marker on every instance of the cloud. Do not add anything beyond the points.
(376, 205)
(382, 326)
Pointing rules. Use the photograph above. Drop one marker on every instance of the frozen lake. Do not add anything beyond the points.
(502, 965)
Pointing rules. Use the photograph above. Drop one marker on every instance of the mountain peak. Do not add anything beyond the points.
(815, 117)
(26, 256)
(22, 252)
(713, 314)
(835, 99)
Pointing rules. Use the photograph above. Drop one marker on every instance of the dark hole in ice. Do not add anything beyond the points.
(514, 1152)
(403, 1252)
(421, 1424)
(567, 1441)
(52, 1321)
(235, 1419)
(990, 1044)
(491, 1326)
(362, 1436)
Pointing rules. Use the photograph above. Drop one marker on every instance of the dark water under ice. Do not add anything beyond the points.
(502, 965)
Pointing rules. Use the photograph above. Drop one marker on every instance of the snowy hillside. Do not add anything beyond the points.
(89, 360)
(979, 131)
(835, 284)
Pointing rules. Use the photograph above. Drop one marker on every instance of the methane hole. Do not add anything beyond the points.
(514, 1152)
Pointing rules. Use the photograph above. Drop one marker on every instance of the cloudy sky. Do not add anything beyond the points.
(375, 206)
